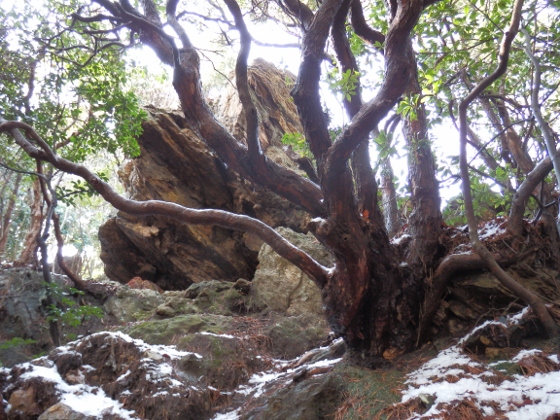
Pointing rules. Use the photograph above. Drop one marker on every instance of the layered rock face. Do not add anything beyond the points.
(176, 165)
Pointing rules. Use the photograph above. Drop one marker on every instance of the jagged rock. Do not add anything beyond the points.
(294, 335)
(128, 305)
(316, 398)
(473, 296)
(138, 283)
(62, 411)
(282, 286)
(122, 378)
(23, 314)
(176, 165)
(270, 89)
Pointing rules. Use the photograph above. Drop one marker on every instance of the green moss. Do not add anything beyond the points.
(170, 331)
(508, 368)
(143, 315)
(367, 392)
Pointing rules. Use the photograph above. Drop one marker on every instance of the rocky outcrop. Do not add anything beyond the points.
(282, 286)
(176, 165)
(223, 340)
(24, 329)
(270, 89)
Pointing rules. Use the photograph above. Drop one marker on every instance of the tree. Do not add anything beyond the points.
(378, 300)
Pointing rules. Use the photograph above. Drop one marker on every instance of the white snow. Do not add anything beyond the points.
(232, 415)
(92, 401)
(84, 399)
(491, 229)
(216, 335)
(163, 350)
(397, 241)
(524, 398)
(124, 375)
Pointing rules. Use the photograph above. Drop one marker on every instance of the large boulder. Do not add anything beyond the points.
(283, 287)
(176, 165)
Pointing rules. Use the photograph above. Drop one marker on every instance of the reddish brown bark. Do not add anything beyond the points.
(7, 217)
(370, 298)
(425, 220)
(27, 255)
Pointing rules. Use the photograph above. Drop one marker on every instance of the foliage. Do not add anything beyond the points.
(16, 342)
(80, 104)
(53, 78)
(67, 311)
(298, 143)
(345, 83)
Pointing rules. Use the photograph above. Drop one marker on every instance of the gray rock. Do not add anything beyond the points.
(176, 165)
(128, 305)
(282, 286)
(61, 411)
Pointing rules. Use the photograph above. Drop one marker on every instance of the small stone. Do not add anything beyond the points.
(61, 411)
(23, 400)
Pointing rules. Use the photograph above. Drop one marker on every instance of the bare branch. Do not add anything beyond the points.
(397, 72)
(308, 265)
(362, 29)
(530, 298)
(536, 108)
(306, 92)
(299, 11)
(171, 9)
(524, 191)
(251, 115)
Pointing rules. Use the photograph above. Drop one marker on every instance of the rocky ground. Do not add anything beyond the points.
(261, 350)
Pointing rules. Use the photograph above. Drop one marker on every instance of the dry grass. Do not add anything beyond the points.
(537, 363)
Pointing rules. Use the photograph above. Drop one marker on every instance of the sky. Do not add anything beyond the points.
(289, 59)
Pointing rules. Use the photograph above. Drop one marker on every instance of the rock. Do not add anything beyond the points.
(23, 314)
(119, 381)
(226, 362)
(282, 286)
(270, 88)
(61, 411)
(30, 399)
(315, 398)
(292, 336)
(128, 305)
(23, 401)
(182, 169)
(475, 296)
(138, 283)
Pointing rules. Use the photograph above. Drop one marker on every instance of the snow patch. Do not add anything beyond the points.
(91, 401)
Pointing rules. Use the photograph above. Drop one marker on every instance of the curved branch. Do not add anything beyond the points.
(251, 115)
(536, 108)
(521, 196)
(186, 81)
(397, 73)
(346, 57)
(306, 92)
(299, 11)
(362, 29)
(318, 273)
(366, 187)
(170, 10)
(530, 298)
(446, 269)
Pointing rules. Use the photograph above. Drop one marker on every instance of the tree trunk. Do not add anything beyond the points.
(7, 217)
(425, 219)
(390, 207)
(30, 243)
